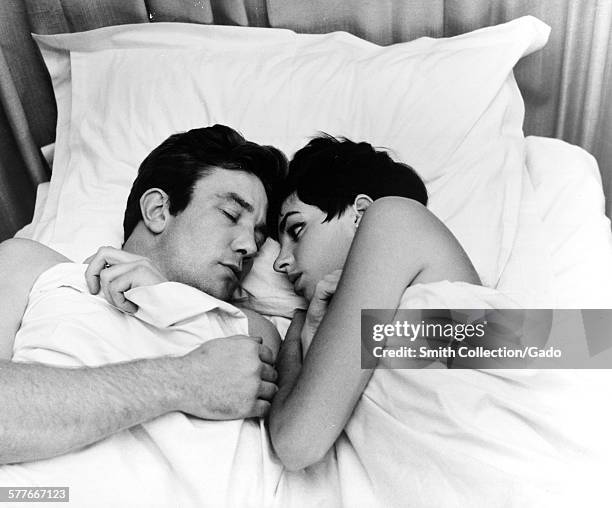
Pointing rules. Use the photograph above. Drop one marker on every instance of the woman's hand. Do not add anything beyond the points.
(317, 308)
(115, 271)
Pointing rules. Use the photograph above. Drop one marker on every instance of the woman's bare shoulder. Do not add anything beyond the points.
(394, 213)
(401, 221)
(414, 230)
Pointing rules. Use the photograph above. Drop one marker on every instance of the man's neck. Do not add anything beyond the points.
(134, 246)
(141, 245)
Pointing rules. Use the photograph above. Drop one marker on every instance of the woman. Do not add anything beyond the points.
(352, 224)
(347, 207)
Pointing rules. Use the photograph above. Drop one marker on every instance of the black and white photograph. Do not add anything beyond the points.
(306, 253)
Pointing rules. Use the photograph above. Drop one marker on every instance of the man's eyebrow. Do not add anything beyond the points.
(232, 196)
(283, 222)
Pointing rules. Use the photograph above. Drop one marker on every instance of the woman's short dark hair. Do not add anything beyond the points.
(330, 172)
(180, 161)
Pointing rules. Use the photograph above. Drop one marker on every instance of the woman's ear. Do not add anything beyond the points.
(360, 205)
(155, 209)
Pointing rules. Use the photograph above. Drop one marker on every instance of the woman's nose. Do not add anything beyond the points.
(282, 261)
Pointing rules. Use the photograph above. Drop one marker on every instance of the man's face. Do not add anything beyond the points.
(210, 244)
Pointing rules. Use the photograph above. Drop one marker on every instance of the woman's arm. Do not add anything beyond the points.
(398, 242)
(289, 361)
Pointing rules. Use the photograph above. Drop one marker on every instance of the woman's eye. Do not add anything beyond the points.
(233, 218)
(295, 230)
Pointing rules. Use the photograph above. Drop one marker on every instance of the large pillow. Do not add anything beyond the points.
(448, 107)
(571, 202)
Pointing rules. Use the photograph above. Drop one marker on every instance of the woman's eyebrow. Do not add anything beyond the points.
(283, 222)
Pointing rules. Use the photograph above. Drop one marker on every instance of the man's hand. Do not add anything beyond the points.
(116, 271)
(317, 308)
(226, 378)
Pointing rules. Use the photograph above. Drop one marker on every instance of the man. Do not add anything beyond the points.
(197, 210)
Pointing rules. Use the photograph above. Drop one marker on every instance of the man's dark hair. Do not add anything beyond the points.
(178, 163)
(330, 172)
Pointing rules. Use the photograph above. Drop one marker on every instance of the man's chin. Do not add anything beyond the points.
(222, 291)
(226, 294)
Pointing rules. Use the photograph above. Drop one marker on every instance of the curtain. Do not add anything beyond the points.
(566, 86)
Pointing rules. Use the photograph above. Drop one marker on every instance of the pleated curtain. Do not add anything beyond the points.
(566, 86)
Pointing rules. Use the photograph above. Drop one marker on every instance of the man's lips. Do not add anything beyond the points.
(235, 269)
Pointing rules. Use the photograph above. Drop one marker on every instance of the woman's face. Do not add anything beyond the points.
(311, 248)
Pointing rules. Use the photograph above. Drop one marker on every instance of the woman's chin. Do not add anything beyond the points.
(303, 290)
(307, 292)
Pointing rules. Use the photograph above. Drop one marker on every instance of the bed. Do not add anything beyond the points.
(530, 211)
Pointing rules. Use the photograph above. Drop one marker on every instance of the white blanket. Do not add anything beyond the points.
(174, 460)
(477, 438)
(417, 438)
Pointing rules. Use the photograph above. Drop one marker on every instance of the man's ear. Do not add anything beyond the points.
(360, 205)
(155, 209)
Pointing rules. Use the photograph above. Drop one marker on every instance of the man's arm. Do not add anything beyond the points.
(47, 411)
(21, 262)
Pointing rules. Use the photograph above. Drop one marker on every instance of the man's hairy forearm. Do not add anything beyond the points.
(47, 411)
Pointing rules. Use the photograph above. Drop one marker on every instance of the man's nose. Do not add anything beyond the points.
(245, 243)
(283, 260)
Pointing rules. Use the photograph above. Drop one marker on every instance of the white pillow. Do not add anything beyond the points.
(448, 107)
(56, 49)
(571, 202)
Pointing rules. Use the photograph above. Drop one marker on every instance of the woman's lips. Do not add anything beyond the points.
(295, 279)
(296, 283)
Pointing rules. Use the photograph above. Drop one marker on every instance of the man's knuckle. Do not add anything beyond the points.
(253, 388)
(250, 375)
(255, 407)
(113, 287)
(251, 349)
